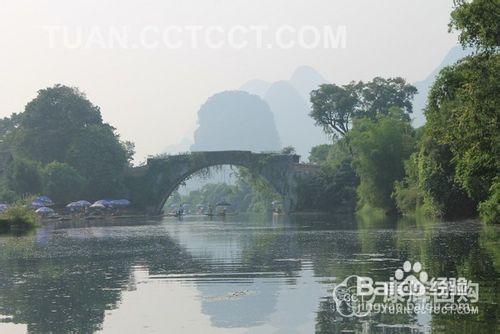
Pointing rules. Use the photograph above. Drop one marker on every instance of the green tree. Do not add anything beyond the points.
(333, 108)
(50, 122)
(98, 155)
(62, 125)
(462, 113)
(333, 189)
(24, 177)
(378, 96)
(478, 23)
(258, 193)
(407, 194)
(62, 183)
(319, 153)
(7, 126)
(429, 178)
(490, 209)
(457, 162)
(380, 148)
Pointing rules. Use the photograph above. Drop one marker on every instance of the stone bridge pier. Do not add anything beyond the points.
(163, 175)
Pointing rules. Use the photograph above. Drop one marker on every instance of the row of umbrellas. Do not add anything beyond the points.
(42, 205)
(101, 204)
(41, 201)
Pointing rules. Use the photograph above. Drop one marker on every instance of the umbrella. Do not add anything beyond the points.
(120, 203)
(103, 202)
(84, 203)
(223, 203)
(77, 206)
(45, 200)
(3, 207)
(44, 210)
(97, 206)
(37, 204)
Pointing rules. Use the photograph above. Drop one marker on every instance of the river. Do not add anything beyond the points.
(240, 275)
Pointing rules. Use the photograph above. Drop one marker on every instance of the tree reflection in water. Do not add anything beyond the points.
(64, 279)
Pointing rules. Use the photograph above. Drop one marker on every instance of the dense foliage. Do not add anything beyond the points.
(333, 189)
(335, 107)
(373, 124)
(62, 183)
(450, 167)
(61, 146)
(18, 215)
(478, 23)
(380, 148)
(455, 171)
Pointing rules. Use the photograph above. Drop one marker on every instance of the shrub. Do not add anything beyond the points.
(489, 210)
(18, 215)
(23, 176)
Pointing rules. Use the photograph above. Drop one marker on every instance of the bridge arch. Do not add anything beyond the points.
(169, 172)
(182, 178)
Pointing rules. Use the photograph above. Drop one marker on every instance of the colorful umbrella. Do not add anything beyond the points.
(45, 200)
(44, 210)
(3, 207)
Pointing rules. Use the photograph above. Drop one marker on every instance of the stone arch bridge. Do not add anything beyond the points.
(153, 183)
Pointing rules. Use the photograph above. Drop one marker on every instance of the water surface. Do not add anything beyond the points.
(243, 275)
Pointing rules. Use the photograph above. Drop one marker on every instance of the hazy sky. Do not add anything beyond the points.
(152, 94)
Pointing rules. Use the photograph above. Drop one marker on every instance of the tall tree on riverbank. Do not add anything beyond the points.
(334, 107)
(460, 147)
(380, 148)
(370, 126)
(61, 125)
(50, 121)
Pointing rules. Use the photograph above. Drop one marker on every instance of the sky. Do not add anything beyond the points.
(138, 60)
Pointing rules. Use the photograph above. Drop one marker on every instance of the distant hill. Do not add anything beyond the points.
(305, 79)
(289, 102)
(291, 113)
(256, 87)
(424, 86)
(236, 120)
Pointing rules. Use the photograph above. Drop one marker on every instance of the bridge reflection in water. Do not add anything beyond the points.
(169, 276)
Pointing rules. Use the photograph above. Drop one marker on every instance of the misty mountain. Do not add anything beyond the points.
(236, 120)
(256, 87)
(424, 86)
(305, 79)
(291, 113)
(289, 102)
